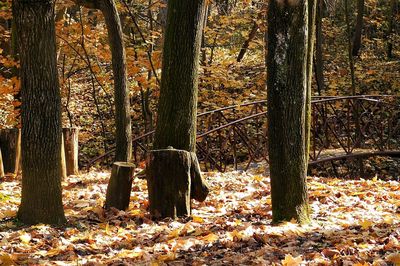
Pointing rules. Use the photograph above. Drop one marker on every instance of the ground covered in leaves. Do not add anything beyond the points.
(355, 222)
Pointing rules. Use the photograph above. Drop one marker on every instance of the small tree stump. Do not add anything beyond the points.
(63, 166)
(119, 186)
(10, 145)
(1, 166)
(173, 177)
(168, 183)
(71, 150)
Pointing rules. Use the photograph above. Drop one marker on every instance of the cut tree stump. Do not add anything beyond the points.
(119, 186)
(10, 145)
(1, 165)
(173, 177)
(71, 150)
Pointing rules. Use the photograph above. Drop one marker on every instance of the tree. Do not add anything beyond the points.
(41, 113)
(123, 134)
(290, 42)
(177, 107)
(175, 134)
(359, 27)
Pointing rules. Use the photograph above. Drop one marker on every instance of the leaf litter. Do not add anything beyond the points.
(354, 222)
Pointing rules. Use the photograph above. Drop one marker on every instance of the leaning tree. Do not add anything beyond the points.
(173, 173)
(290, 48)
(41, 113)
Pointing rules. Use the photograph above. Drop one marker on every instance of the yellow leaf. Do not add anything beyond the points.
(175, 233)
(210, 237)
(394, 258)
(53, 252)
(290, 261)
(25, 238)
(5, 259)
(365, 224)
(167, 257)
(198, 219)
(258, 178)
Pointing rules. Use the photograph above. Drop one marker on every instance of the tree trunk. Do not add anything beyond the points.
(391, 20)
(310, 53)
(168, 180)
(123, 136)
(319, 56)
(177, 107)
(287, 64)
(10, 145)
(71, 147)
(359, 27)
(1, 165)
(41, 200)
(246, 44)
(120, 185)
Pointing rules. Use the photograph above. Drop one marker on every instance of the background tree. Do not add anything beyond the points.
(358, 28)
(41, 113)
(288, 69)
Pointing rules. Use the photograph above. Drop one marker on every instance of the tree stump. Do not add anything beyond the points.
(10, 145)
(71, 150)
(173, 177)
(119, 186)
(1, 165)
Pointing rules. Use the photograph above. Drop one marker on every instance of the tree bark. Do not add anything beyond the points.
(1, 165)
(123, 136)
(168, 180)
(10, 144)
(177, 107)
(359, 27)
(71, 147)
(391, 20)
(119, 186)
(41, 200)
(287, 69)
(319, 56)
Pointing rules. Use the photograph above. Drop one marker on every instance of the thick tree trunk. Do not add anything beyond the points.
(10, 145)
(41, 113)
(71, 147)
(120, 185)
(287, 63)
(176, 121)
(359, 27)
(123, 136)
(169, 183)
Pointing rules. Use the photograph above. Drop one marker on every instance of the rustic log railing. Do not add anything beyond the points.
(349, 127)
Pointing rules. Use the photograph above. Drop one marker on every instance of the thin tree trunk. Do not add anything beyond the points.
(287, 67)
(319, 56)
(41, 200)
(391, 20)
(359, 27)
(10, 144)
(246, 44)
(123, 134)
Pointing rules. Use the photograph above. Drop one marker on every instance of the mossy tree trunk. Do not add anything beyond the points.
(41, 113)
(288, 68)
(177, 107)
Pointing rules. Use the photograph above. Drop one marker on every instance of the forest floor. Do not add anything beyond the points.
(354, 222)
